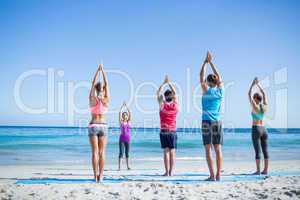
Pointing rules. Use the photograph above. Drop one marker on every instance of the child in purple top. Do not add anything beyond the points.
(124, 140)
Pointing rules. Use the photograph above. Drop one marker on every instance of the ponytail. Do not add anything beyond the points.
(261, 109)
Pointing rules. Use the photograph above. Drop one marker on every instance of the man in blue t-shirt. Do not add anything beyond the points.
(212, 132)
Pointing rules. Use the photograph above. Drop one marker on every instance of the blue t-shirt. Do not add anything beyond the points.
(211, 103)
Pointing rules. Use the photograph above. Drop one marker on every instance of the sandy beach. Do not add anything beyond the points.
(144, 182)
(169, 87)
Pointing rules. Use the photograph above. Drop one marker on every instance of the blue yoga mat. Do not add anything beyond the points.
(177, 179)
(65, 180)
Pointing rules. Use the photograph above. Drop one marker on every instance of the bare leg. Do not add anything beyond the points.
(257, 167)
(119, 164)
(172, 161)
(127, 145)
(209, 162)
(94, 145)
(120, 153)
(102, 147)
(166, 161)
(127, 162)
(264, 146)
(265, 171)
(219, 158)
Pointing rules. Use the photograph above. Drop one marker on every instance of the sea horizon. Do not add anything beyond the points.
(39, 145)
(140, 127)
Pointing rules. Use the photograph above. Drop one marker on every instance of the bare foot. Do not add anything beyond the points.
(171, 174)
(218, 177)
(210, 179)
(256, 173)
(101, 179)
(265, 172)
(97, 178)
(165, 174)
(128, 168)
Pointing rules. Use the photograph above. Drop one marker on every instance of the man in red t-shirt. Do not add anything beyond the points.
(167, 112)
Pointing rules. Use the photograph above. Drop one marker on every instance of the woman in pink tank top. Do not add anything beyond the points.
(124, 140)
(167, 112)
(98, 100)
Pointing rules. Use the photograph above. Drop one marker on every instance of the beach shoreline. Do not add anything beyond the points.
(144, 181)
(43, 163)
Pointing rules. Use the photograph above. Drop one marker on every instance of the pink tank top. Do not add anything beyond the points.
(168, 112)
(99, 108)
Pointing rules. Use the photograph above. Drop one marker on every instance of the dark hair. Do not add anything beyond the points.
(257, 96)
(98, 87)
(212, 78)
(168, 95)
(125, 113)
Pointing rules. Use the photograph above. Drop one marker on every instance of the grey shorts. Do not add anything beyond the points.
(212, 132)
(98, 129)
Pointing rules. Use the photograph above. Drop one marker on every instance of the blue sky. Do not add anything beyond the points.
(146, 40)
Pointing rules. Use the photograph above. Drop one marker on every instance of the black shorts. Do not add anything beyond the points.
(212, 132)
(168, 139)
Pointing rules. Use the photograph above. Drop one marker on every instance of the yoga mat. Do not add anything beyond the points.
(65, 180)
(177, 179)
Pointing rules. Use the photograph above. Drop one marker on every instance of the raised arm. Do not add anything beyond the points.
(120, 114)
(158, 93)
(265, 101)
(173, 89)
(214, 69)
(129, 113)
(250, 92)
(202, 76)
(92, 91)
(252, 102)
(106, 87)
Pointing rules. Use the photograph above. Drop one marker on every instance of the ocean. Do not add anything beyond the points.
(65, 145)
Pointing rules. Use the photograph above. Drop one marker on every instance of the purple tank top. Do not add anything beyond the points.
(125, 132)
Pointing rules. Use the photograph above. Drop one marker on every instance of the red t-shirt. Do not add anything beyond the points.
(167, 113)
